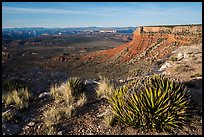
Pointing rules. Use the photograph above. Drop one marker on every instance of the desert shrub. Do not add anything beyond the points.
(135, 84)
(162, 104)
(14, 84)
(68, 97)
(82, 100)
(68, 91)
(76, 85)
(135, 72)
(108, 119)
(173, 59)
(18, 98)
(8, 116)
(55, 114)
(62, 93)
(52, 117)
(105, 88)
(196, 75)
(183, 68)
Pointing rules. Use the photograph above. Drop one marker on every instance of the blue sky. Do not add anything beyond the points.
(101, 14)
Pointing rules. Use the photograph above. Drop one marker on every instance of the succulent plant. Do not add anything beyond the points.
(14, 84)
(161, 104)
(76, 85)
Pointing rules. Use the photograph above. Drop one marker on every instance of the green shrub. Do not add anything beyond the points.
(162, 104)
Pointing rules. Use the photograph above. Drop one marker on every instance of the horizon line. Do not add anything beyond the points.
(106, 27)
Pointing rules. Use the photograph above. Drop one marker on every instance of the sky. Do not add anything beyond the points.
(100, 14)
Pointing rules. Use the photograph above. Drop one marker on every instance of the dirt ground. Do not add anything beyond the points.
(36, 66)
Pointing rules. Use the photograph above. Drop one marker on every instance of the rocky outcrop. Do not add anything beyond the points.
(151, 43)
(179, 29)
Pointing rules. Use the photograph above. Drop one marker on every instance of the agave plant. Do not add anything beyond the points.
(161, 104)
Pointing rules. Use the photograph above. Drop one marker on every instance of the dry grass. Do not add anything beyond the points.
(82, 100)
(18, 99)
(173, 59)
(50, 131)
(105, 89)
(196, 75)
(65, 97)
(8, 116)
(108, 119)
(183, 68)
(53, 117)
(135, 72)
(62, 93)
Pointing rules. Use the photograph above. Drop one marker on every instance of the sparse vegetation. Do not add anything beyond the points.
(62, 93)
(108, 119)
(135, 72)
(183, 68)
(14, 84)
(82, 100)
(105, 88)
(65, 96)
(141, 102)
(173, 59)
(196, 75)
(68, 91)
(17, 98)
(76, 85)
(162, 104)
(54, 115)
(8, 116)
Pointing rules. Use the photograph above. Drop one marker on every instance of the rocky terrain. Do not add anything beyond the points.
(175, 51)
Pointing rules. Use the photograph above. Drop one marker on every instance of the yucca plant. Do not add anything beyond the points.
(76, 85)
(14, 84)
(118, 102)
(161, 104)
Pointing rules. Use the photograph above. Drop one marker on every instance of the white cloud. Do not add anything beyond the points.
(49, 10)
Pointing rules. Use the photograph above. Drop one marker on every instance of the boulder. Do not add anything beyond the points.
(164, 66)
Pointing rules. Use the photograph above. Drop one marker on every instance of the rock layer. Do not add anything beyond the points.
(150, 43)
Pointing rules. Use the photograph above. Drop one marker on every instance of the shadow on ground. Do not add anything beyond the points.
(195, 87)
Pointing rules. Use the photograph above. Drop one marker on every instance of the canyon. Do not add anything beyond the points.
(173, 50)
(151, 43)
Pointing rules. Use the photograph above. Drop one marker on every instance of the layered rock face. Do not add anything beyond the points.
(151, 43)
(185, 29)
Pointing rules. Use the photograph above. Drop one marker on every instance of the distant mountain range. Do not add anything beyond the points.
(71, 28)
(21, 33)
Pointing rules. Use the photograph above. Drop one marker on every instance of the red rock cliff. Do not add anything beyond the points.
(151, 43)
